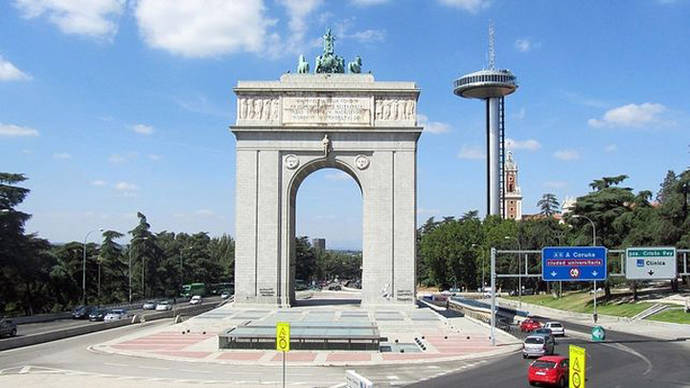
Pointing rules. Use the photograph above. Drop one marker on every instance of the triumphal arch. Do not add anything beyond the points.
(304, 122)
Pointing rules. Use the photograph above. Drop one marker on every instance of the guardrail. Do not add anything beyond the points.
(39, 338)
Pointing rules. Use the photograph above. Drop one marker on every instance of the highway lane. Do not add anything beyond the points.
(624, 360)
(59, 324)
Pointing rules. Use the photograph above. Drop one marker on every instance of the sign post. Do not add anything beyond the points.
(283, 341)
(650, 263)
(576, 372)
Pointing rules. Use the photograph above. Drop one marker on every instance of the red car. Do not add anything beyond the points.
(529, 325)
(549, 370)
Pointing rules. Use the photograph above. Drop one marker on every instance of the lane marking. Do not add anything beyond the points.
(393, 377)
(25, 370)
(115, 364)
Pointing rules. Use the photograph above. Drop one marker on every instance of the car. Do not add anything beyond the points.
(335, 287)
(557, 328)
(537, 345)
(549, 370)
(225, 294)
(82, 312)
(529, 324)
(544, 332)
(503, 323)
(7, 327)
(150, 305)
(98, 314)
(115, 315)
(164, 305)
(196, 299)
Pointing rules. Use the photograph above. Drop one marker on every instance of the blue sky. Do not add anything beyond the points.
(112, 107)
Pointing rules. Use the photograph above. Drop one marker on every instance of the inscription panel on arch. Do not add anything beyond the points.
(326, 110)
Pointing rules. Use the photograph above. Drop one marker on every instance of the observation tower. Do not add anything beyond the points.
(491, 85)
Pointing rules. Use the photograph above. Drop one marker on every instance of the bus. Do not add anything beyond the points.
(189, 290)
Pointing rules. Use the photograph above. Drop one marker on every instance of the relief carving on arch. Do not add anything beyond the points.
(255, 108)
(395, 109)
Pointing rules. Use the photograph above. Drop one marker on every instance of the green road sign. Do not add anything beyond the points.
(598, 333)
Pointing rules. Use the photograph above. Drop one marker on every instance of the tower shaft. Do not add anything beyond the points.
(493, 126)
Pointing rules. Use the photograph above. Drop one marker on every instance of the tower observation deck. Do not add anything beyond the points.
(491, 85)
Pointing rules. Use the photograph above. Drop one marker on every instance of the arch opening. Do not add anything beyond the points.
(329, 207)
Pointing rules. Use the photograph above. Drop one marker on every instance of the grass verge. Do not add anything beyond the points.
(582, 302)
(672, 316)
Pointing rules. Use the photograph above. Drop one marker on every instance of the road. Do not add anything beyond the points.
(59, 324)
(70, 359)
(624, 360)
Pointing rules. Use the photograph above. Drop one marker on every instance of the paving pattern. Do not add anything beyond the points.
(418, 334)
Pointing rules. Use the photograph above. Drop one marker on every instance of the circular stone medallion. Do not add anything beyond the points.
(362, 162)
(291, 162)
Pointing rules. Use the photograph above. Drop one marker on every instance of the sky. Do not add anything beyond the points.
(111, 107)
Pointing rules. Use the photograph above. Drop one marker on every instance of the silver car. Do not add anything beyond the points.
(537, 346)
(115, 315)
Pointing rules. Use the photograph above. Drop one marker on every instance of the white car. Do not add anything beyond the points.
(149, 305)
(164, 305)
(537, 345)
(557, 328)
(196, 299)
(115, 315)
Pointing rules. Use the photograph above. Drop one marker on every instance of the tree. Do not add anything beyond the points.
(666, 186)
(548, 204)
(146, 254)
(114, 282)
(305, 259)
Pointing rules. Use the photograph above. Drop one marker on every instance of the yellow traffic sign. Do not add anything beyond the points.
(577, 367)
(283, 336)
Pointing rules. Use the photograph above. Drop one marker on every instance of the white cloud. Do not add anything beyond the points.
(556, 184)
(434, 127)
(98, 182)
(9, 72)
(16, 131)
(566, 155)
(155, 157)
(369, 36)
(611, 148)
(92, 18)
(366, 3)
(204, 212)
(126, 187)
(62, 155)
(530, 144)
(142, 129)
(631, 115)
(116, 158)
(468, 5)
(297, 11)
(471, 153)
(203, 28)
(525, 45)
(337, 176)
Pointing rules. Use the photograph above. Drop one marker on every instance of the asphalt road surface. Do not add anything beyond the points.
(623, 360)
(59, 324)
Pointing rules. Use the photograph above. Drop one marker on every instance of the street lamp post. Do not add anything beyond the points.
(83, 273)
(594, 243)
(519, 274)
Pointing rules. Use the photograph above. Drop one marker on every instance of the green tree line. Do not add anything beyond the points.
(454, 252)
(40, 277)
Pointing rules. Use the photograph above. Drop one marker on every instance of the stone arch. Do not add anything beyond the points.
(293, 188)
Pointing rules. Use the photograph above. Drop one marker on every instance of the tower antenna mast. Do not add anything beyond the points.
(492, 49)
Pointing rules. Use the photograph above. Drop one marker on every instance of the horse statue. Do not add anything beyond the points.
(302, 65)
(355, 67)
